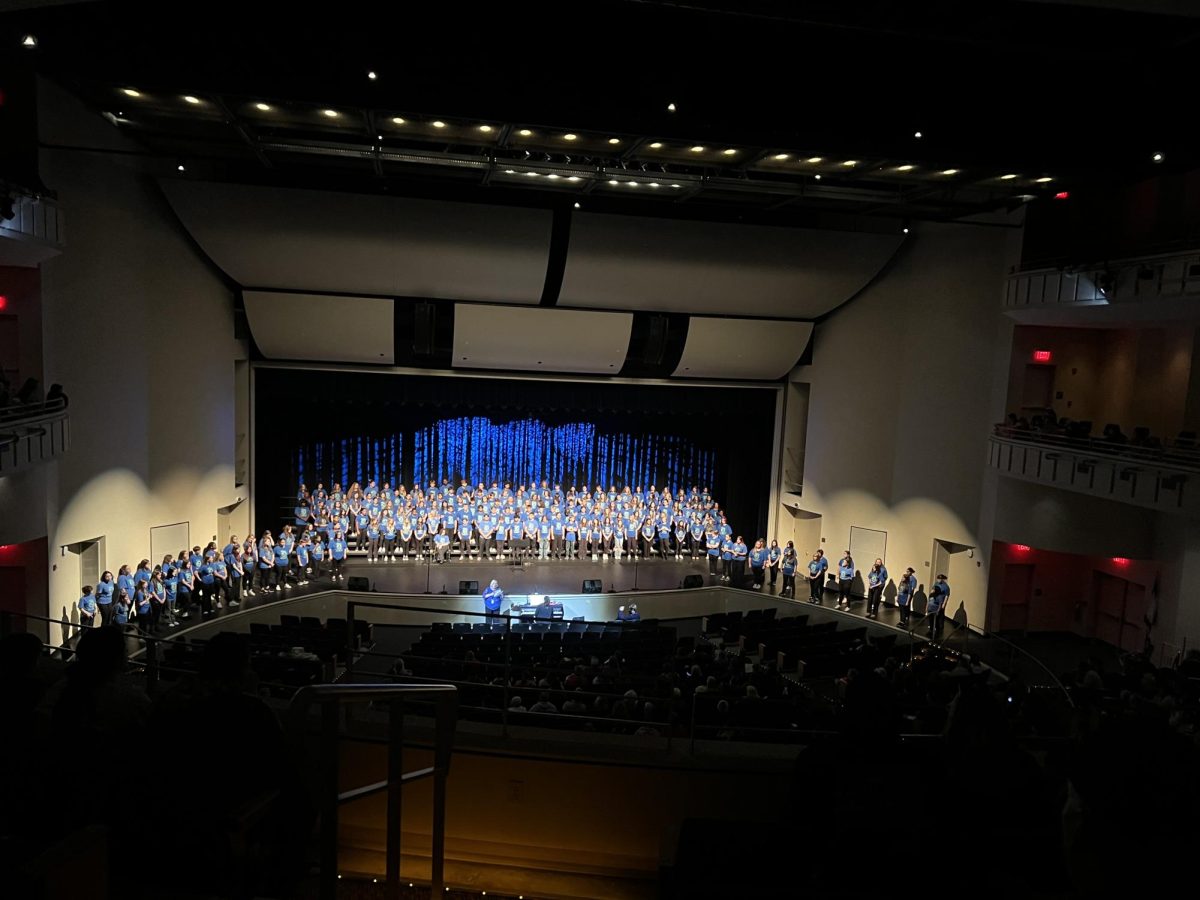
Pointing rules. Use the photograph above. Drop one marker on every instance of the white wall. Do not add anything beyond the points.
(900, 404)
(139, 331)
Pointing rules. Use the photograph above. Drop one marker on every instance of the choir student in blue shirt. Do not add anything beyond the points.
(104, 597)
(773, 556)
(758, 562)
(845, 579)
(904, 594)
(788, 564)
(87, 608)
(337, 555)
(740, 552)
(493, 597)
(939, 596)
(816, 577)
(877, 577)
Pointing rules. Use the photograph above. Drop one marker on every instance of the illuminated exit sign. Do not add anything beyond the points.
(1042, 356)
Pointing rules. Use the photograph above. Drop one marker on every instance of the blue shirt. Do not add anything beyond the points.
(758, 556)
(104, 592)
(938, 596)
(789, 565)
(492, 598)
(337, 548)
(87, 604)
(907, 587)
(875, 579)
(845, 571)
(281, 555)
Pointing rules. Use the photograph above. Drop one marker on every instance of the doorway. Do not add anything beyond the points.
(1037, 391)
(804, 532)
(1015, 591)
(1119, 609)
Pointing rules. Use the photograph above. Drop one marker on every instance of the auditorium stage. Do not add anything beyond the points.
(555, 576)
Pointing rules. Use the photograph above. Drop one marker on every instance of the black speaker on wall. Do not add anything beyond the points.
(655, 344)
(424, 332)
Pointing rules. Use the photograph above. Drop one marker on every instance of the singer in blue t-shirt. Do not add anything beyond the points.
(493, 597)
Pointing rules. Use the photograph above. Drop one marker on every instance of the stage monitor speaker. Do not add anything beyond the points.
(693, 581)
(468, 587)
(358, 583)
(593, 586)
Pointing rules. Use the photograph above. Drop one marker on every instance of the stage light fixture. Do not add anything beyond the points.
(948, 172)
(849, 163)
(815, 159)
(657, 145)
(677, 185)
(330, 113)
(486, 129)
(729, 152)
(180, 167)
(569, 136)
(263, 107)
(917, 135)
(907, 167)
(29, 42)
(130, 92)
(396, 120)
(697, 149)
(1009, 177)
(632, 184)
(817, 177)
(573, 178)
(188, 98)
(670, 107)
(552, 176)
(613, 182)
(577, 204)
(780, 157)
(614, 141)
(438, 123)
(1158, 157)
(1045, 179)
(510, 172)
(655, 184)
(372, 75)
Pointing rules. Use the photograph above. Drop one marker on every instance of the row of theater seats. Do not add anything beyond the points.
(296, 652)
(544, 645)
(812, 651)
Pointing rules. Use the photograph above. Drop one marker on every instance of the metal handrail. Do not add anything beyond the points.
(1185, 459)
(331, 697)
(19, 413)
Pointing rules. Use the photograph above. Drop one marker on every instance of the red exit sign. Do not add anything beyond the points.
(1042, 356)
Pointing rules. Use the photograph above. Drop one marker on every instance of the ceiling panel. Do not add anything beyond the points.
(716, 268)
(361, 244)
(758, 349)
(321, 327)
(545, 340)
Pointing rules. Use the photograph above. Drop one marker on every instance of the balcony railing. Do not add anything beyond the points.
(1137, 280)
(1163, 478)
(31, 433)
(35, 232)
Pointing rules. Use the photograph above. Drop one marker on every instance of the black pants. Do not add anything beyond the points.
(727, 568)
(789, 585)
(105, 613)
(739, 569)
(234, 590)
(337, 567)
(874, 595)
(816, 589)
(844, 590)
(774, 574)
(204, 596)
(937, 620)
(712, 564)
(757, 572)
(373, 548)
(902, 602)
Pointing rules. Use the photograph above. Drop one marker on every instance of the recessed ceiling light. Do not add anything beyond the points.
(331, 113)
(180, 167)
(729, 152)
(655, 184)
(948, 172)
(918, 136)
(29, 42)
(670, 107)
(190, 99)
(781, 156)
(396, 120)
(525, 132)
(263, 107)
(573, 178)
(614, 141)
(905, 229)
(657, 145)
(1009, 177)
(818, 177)
(1158, 157)
(1045, 179)
(677, 185)
(577, 204)
(532, 174)
(570, 137)
(438, 123)
(130, 92)
(372, 75)
(632, 183)
(552, 176)
(613, 182)
(697, 149)
(905, 168)
(486, 129)
(510, 171)
(850, 162)
(815, 159)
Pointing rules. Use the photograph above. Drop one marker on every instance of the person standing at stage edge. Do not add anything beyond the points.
(939, 596)
(493, 597)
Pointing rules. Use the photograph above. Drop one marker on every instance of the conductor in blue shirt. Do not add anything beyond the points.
(493, 597)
